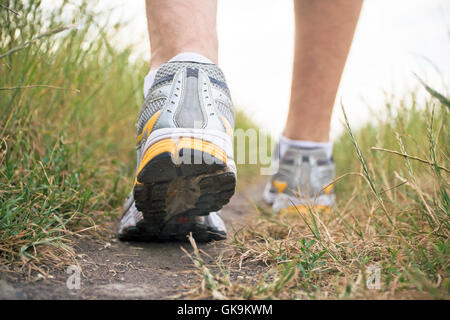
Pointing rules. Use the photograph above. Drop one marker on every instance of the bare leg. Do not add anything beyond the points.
(323, 34)
(177, 26)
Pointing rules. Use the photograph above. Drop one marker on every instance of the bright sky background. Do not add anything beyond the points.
(394, 39)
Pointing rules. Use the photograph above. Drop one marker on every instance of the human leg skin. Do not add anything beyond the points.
(323, 34)
(177, 26)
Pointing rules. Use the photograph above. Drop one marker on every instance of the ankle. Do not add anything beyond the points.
(318, 133)
(285, 143)
(159, 57)
(313, 137)
(184, 56)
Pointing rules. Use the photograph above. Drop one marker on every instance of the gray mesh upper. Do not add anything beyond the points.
(305, 171)
(226, 111)
(164, 76)
(149, 108)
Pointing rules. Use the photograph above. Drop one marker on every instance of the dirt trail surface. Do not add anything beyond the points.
(112, 269)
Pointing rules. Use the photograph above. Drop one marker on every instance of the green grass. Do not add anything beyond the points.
(68, 106)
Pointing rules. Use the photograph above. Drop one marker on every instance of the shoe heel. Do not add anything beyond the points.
(191, 177)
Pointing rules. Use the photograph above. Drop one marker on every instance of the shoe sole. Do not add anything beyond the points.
(285, 204)
(176, 230)
(185, 176)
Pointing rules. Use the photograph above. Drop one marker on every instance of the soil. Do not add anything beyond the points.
(111, 269)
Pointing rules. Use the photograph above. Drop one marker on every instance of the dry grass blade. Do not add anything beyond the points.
(10, 10)
(445, 101)
(41, 86)
(27, 43)
(208, 278)
(410, 157)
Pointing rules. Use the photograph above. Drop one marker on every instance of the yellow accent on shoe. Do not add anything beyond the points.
(305, 209)
(166, 145)
(280, 185)
(148, 127)
(227, 126)
(169, 145)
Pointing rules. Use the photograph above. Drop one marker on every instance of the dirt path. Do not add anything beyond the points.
(130, 270)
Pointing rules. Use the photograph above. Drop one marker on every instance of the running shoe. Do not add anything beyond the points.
(185, 167)
(302, 181)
